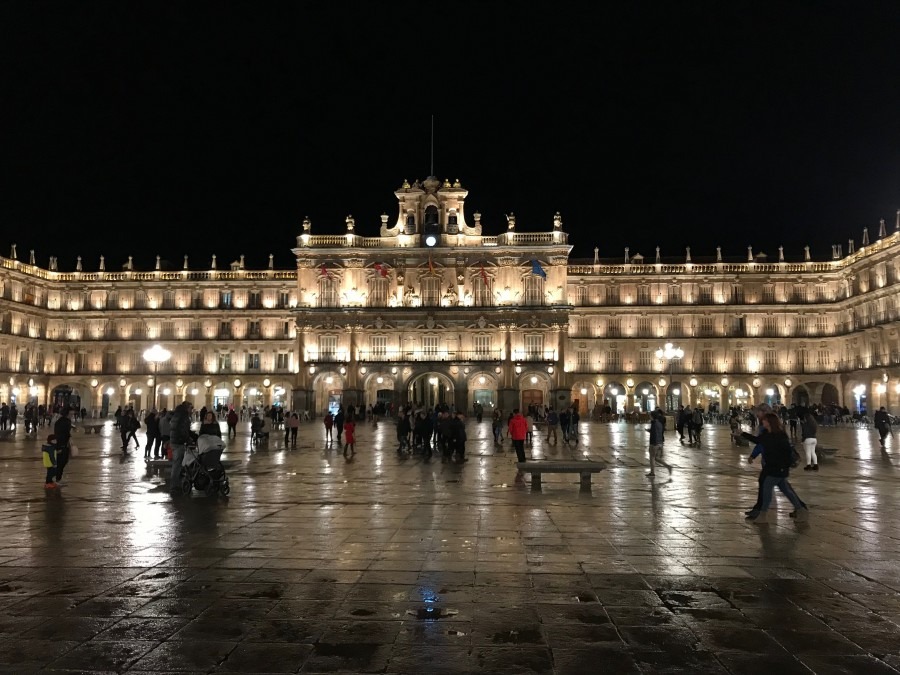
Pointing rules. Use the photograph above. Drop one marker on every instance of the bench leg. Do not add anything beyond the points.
(536, 482)
(585, 482)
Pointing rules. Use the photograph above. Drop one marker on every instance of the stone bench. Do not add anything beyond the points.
(584, 469)
(92, 427)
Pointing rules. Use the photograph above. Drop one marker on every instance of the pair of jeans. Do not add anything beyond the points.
(178, 450)
(781, 482)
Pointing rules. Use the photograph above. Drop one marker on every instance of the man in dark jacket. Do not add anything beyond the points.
(883, 424)
(63, 432)
(152, 422)
(179, 437)
(458, 434)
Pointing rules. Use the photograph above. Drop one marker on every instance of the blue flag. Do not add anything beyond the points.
(537, 269)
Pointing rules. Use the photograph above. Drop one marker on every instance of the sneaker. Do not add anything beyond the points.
(50, 486)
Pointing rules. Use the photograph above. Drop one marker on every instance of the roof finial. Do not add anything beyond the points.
(781, 254)
(687, 251)
(78, 264)
(897, 226)
(12, 251)
(657, 255)
(596, 255)
(718, 254)
(241, 262)
(31, 257)
(882, 232)
(102, 263)
(157, 263)
(749, 254)
(627, 260)
(806, 253)
(865, 239)
(213, 263)
(185, 262)
(851, 247)
(557, 221)
(271, 261)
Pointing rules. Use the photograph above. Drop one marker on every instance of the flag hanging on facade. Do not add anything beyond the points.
(323, 271)
(381, 269)
(484, 276)
(537, 269)
(430, 265)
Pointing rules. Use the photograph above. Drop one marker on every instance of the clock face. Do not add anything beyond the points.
(430, 240)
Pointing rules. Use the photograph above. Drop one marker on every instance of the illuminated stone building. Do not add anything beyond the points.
(434, 310)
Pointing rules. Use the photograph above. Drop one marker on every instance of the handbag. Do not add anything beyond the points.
(73, 450)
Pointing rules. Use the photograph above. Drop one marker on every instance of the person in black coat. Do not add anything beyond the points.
(777, 453)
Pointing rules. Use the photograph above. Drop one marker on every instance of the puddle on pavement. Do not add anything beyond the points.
(431, 613)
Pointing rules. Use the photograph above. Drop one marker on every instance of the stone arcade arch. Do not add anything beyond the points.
(645, 396)
(328, 391)
(584, 397)
(482, 387)
(430, 389)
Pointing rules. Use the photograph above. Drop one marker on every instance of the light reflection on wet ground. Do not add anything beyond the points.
(380, 564)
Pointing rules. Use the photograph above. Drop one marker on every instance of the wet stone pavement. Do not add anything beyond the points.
(315, 564)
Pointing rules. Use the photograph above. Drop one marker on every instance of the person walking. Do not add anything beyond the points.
(458, 432)
(497, 427)
(777, 458)
(293, 423)
(657, 435)
(62, 429)
(160, 450)
(552, 424)
(328, 421)
(883, 424)
(349, 434)
(48, 457)
(127, 428)
(403, 430)
(808, 430)
(518, 429)
(339, 420)
(231, 419)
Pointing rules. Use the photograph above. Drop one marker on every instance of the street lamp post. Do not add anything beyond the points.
(156, 355)
(669, 352)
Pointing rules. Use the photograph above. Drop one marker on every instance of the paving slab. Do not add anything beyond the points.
(315, 563)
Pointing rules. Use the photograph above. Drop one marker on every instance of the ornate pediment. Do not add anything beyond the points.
(507, 261)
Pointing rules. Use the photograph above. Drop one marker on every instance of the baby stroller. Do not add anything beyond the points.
(202, 467)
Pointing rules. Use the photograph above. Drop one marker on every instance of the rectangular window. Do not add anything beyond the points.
(282, 361)
(824, 358)
(253, 329)
(534, 290)
(740, 361)
(802, 326)
(286, 329)
(253, 361)
(583, 360)
(225, 330)
(482, 346)
(225, 299)
(769, 294)
(284, 299)
(707, 359)
(674, 295)
(643, 295)
(379, 289)
(822, 325)
(581, 296)
(706, 326)
(253, 301)
(802, 359)
(327, 347)
(645, 359)
(431, 291)
(770, 326)
(674, 326)
(612, 360)
(224, 362)
(771, 358)
(612, 295)
(644, 326)
(431, 345)
(534, 347)
(484, 290)
(737, 294)
(706, 294)
(378, 346)
(614, 327)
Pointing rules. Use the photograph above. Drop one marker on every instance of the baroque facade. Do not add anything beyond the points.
(433, 310)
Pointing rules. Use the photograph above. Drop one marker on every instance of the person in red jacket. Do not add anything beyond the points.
(518, 429)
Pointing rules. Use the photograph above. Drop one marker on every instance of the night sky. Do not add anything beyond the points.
(178, 128)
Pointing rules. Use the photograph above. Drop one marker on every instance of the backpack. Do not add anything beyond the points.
(697, 418)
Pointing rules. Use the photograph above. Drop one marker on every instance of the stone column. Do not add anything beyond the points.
(508, 395)
(560, 391)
